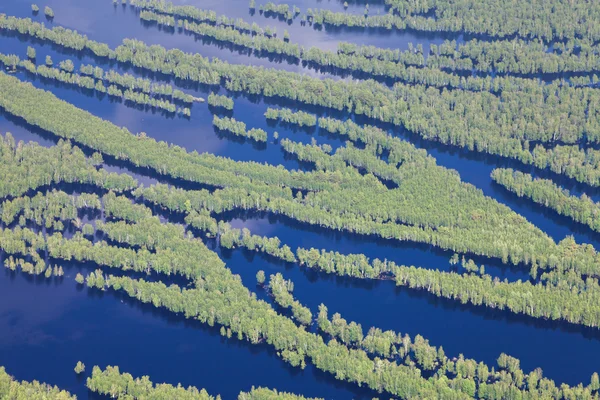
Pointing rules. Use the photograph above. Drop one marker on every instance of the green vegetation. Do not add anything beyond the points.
(268, 394)
(31, 166)
(238, 128)
(496, 96)
(281, 290)
(12, 389)
(552, 21)
(477, 121)
(281, 10)
(126, 87)
(48, 12)
(546, 193)
(215, 100)
(231, 237)
(30, 53)
(113, 383)
(164, 20)
(260, 277)
(188, 12)
(34, 8)
(287, 116)
(79, 368)
(122, 386)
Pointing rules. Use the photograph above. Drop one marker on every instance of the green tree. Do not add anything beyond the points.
(30, 53)
(79, 368)
(260, 277)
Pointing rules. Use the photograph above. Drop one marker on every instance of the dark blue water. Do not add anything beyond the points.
(47, 328)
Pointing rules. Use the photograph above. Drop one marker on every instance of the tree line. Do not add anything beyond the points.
(125, 87)
(553, 21)
(238, 128)
(457, 118)
(548, 194)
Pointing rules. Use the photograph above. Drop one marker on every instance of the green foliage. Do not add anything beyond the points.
(111, 382)
(30, 53)
(481, 122)
(270, 394)
(286, 115)
(12, 389)
(546, 193)
(556, 20)
(238, 128)
(79, 368)
(216, 100)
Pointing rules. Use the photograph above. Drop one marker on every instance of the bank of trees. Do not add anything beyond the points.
(288, 116)
(270, 394)
(232, 237)
(266, 42)
(554, 21)
(455, 117)
(281, 290)
(13, 389)
(362, 204)
(548, 194)
(27, 166)
(111, 382)
(238, 128)
(126, 87)
(281, 10)
(220, 101)
(50, 210)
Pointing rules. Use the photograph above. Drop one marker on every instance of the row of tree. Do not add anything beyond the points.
(220, 101)
(477, 121)
(189, 12)
(378, 62)
(553, 21)
(130, 94)
(119, 385)
(27, 166)
(238, 128)
(13, 389)
(281, 290)
(548, 194)
(288, 116)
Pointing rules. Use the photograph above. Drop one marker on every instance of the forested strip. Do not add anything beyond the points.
(412, 67)
(216, 100)
(122, 386)
(554, 20)
(29, 166)
(350, 204)
(477, 121)
(13, 389)
(201, 15)
(238, 128)
(43, 109)
(119, 86)
(288, 116)
(548, 194)
(270, 394)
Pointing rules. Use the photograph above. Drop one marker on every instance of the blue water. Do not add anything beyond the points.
(47, 327)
